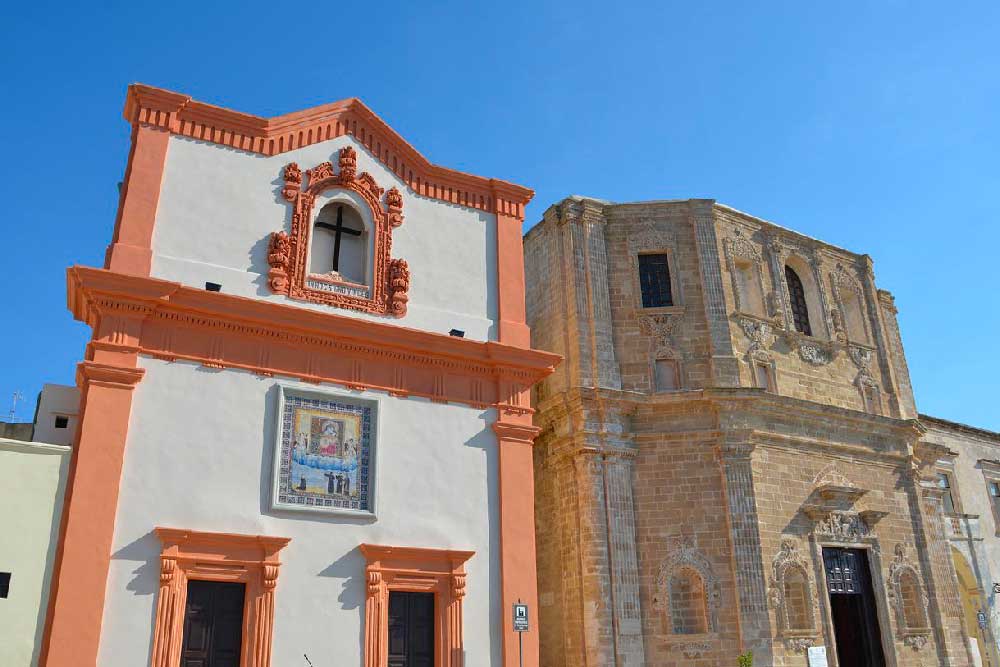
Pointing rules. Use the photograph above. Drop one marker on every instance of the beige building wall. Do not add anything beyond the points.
(33, 478)
(723, 488)
(971, 469)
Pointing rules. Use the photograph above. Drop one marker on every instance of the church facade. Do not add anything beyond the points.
(304, 428)
(730, 457)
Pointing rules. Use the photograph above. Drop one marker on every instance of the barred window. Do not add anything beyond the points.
(797, 295)
(654, 280)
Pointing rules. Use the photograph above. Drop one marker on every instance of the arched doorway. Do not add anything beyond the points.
(973, 604)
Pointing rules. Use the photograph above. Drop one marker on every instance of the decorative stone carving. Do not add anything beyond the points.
(761, 337)
(799, 644)
(815, 354)
(278, 258)
(843, 527)
(288, 252)
(694, 650)
(911, 623)
(683, 554)
(647, 237)
(293, 181)
(791, 560)
(660, 328)
(399, 285)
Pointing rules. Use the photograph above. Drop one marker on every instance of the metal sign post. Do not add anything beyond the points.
(520, 626)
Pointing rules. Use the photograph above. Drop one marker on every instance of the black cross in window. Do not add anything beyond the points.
(338, 229)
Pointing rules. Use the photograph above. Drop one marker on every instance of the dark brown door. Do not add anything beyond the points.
(852, 604)
(411, 629)
(213, 624)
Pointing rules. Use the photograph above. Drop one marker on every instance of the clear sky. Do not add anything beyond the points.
(870, 125)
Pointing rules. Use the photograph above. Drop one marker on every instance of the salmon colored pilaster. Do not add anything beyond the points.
(437, 571)
(248, 559)
(76, 603)
(131, 248)
(510, 279)
(515, 436)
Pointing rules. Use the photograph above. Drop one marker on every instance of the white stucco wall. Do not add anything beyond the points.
(33, 478)
(218, 207)
(199, 456)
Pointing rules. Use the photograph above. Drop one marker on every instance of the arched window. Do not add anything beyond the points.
(339, 245)
(688, 608)
(797, 296)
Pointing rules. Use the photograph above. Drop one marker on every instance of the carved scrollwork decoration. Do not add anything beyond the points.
(661, 328)
(761, 336)
(287, 251)
(843, 527)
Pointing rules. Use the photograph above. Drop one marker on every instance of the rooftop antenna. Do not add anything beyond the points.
(18, 396)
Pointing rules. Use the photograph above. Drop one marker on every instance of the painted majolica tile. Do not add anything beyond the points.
(324, 452)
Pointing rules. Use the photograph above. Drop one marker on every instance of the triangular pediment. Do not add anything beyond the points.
(184, 116)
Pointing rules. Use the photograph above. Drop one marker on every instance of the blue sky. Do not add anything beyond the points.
(870, 125)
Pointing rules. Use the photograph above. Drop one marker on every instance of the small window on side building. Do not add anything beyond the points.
(4, 584)
(947, 499)
(654, 281)
(62, 421)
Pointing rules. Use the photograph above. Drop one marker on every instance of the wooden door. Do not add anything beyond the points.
(411, 629)
(213, 624)
(852, 605)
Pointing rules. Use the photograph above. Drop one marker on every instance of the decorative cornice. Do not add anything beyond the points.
(513, 432)
(180, 115)
(119, 376)
(226, 331)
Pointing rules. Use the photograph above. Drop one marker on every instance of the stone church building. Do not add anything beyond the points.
(730, 457)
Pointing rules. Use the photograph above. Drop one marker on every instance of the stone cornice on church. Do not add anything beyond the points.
(180, 115)
(167, 320)
(770, 419)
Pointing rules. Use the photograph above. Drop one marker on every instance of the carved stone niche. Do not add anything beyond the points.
(688, 596)
(909, 601)
(791, 594)
(288, 256)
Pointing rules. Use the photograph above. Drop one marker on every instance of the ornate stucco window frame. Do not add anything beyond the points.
(914, 636)
(288, 253)
(225, 557)
(437, 571)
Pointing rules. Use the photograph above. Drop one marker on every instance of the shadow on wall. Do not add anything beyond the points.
(145, 578)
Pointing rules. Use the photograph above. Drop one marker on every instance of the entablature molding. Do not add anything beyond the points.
(226, 331)
(182, 116)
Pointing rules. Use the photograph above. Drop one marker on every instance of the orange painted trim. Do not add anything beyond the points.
(83, 555)
(170, 321)
(131, 246)
(288, 253)
(437, 571)
(518, 569)
(191, 555)
(512, 326)
(180, 115)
